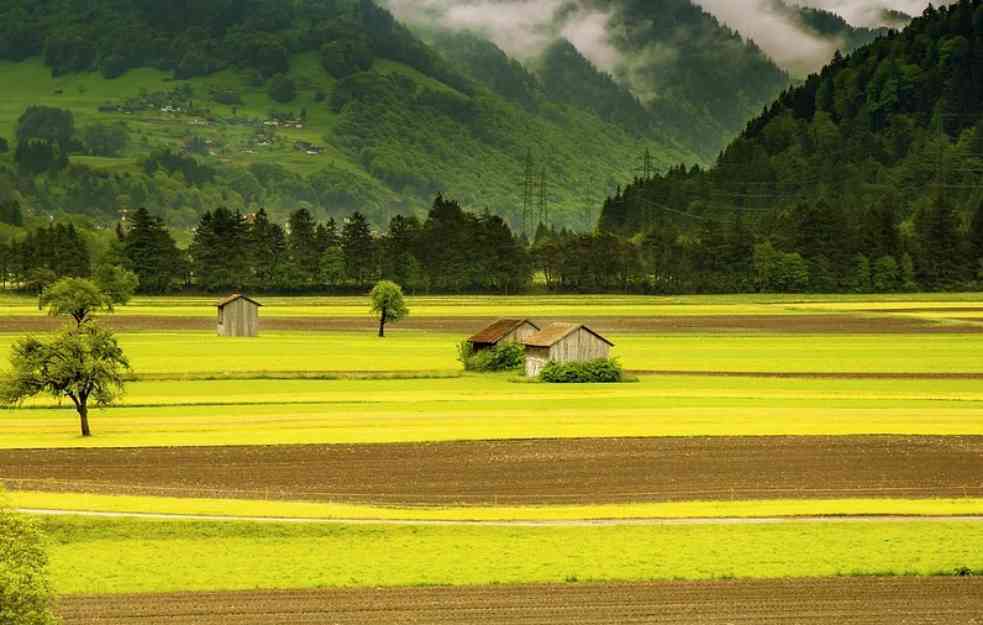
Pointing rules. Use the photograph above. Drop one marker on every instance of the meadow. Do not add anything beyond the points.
(112, 556)
(268, 412)
(201, 354)
(869, 376)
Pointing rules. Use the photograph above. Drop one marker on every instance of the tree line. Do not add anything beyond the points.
(817, 247)
(452, 250)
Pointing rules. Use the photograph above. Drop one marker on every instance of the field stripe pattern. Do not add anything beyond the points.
(577, 471)
(860, 601)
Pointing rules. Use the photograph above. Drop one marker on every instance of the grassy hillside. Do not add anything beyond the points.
(383, 137)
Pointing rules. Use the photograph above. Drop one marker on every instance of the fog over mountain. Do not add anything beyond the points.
(524, 28)
(784, 38)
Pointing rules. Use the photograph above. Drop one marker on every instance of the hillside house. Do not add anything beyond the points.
(503, 331)
(238, 315)
(564, 342)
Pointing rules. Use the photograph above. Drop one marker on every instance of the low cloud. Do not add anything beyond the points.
(522, 28)
(785, 41)
(780, 37)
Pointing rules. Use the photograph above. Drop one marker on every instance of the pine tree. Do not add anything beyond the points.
(358, 247)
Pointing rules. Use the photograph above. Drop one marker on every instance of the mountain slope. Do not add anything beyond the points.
(877, 158)
(329, 104)
(645, 64)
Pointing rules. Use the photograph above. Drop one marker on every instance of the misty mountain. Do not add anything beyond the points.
(331, 104)
(663, 66)
(829, 25)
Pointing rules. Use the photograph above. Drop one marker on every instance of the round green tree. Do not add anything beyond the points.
(388, 303)
(84, 364)
(76, 298)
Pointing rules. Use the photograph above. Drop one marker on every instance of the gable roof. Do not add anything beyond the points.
(556, 332)
(222, 303)
(499, 330)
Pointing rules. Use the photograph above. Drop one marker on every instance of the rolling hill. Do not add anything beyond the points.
(337, 106)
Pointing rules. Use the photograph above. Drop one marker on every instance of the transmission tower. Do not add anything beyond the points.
(646, 165)
(544, 206)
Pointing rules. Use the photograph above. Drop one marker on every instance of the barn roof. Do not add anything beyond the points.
(499, 330)
(556, 332)
(222, 303)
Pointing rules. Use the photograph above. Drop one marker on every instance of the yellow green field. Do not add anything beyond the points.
(115, 556)
(194, 389)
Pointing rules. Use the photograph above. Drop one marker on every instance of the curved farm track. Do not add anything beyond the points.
(841, 601)
(579, 471)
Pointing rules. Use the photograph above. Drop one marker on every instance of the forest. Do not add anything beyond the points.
(870, 173)
(867, 176)
(385, 117)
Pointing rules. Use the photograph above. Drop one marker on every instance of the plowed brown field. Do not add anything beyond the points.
(523, 472)
(847, 601)
(796, 324)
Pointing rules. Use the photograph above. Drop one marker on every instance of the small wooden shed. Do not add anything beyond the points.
(238, 315)
(503, 331)
(564, 342)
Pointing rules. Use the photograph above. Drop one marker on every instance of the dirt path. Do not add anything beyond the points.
(654, 522)
(837, 601)
(515, 472)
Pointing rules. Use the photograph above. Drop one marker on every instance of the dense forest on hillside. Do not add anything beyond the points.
(691, 71)
(335, 106)
(872, 167)
(328, 104)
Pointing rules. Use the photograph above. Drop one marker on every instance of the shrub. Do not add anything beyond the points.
(25, 592)
(504, 357)
(601, 371)
(283, 89)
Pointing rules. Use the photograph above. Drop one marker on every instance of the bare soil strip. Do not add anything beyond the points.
(580, 471)
(792, 324)
(839, 601)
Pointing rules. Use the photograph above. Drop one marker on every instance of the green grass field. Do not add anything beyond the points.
(194, 388)
(203, 353)
(117, 556)
(469, 408)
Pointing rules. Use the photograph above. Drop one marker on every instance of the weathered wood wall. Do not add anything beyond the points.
(239, 318)
(580, 346)
(520, 334)
(536, 359)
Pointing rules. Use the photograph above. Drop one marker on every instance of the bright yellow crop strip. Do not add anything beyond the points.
(82, 502)
(124, 555)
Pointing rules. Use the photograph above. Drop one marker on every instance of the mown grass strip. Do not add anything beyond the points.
(82, 502)
(118, 556)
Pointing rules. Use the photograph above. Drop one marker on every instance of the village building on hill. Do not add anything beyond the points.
(563, 343)
(238, 315)
(503, 331)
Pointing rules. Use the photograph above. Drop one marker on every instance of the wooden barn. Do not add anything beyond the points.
(564, 342)
(503, 331)
(238, 315)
